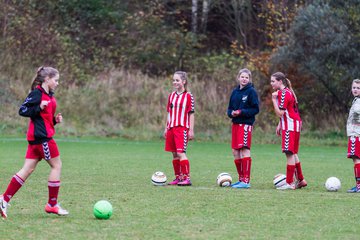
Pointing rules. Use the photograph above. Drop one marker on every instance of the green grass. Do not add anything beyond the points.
(120, 170)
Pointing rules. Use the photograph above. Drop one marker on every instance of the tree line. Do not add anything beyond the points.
(316, 43)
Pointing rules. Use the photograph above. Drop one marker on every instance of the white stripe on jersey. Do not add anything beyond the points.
(288, 123)
(178, 109)
(182, 117)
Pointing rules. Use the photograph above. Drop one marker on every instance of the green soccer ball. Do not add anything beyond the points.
(103, 209)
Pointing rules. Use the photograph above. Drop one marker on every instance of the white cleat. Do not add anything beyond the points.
(3, 207)
(286, 187)
(57, 209)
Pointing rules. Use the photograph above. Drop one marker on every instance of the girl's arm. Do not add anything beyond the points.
(166, 125)
(278, 111)
(192, 123)
(31, 107)
(278, 129)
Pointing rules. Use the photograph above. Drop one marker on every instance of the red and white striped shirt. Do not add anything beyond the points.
(179, 107)
(291, 120)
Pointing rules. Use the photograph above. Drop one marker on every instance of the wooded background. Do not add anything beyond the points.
(116, 59)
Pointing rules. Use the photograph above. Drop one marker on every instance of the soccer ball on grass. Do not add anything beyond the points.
(332, 184)
(279, 180)
(103, 209)
(158, 178)
(224, 179)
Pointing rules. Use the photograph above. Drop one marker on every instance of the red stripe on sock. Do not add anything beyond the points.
(53, 187)
(185, 167)
(298, 171)
(246, 168)
(290, 170)
(176, 166)
(239, 168)
(15, 184)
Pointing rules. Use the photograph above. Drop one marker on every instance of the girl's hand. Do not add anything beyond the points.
(274, 95)
(278, 130)
(235, 113)
(58, 118)
(191, 134)
(164, 134)
(44, 104)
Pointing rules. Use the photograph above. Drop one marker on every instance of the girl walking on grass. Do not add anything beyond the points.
(243, 106)
(40, 107)
(180, 127)
(353, 133)
(286, 108)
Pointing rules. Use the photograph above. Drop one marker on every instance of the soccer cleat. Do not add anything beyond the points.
(174, 182)
(232, 185)
(241, 185)
(185, 182)
(286, 187)
(354, 190)
(3, 207)
(56, 209)
(301, 184)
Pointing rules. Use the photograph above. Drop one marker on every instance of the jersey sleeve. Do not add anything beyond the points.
(168, 104)
(31, 106)
(284, 98)
(190, 103)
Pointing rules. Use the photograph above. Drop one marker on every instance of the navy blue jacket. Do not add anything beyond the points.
(245, 99)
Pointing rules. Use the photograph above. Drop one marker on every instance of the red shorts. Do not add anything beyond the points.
(176, 139)
(290, 141)
(46, 150)
(241, 136)
(353, 147)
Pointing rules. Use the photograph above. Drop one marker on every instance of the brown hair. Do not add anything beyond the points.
(183, 76)
(41, 74)
(279, 76)
(244, 70)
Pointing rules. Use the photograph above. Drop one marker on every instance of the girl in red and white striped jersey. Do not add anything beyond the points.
(180, 127)
(40, 108)
(286, 107)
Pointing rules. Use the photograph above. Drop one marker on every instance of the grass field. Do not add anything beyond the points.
(120, 170)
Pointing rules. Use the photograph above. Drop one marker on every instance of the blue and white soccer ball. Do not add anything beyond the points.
(224, 179)
(158, 178)
(279, 180)
(332, 184)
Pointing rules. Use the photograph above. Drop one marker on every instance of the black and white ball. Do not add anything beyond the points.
(224, 179)
(158, 178)
(279, 180)
(332, 184)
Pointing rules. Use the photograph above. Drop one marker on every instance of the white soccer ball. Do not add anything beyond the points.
(158, 178)
(332, 184)
(279, 180)
(224, 179)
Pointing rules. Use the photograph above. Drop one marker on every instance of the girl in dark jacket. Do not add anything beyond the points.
(40, 107)
(243, 106)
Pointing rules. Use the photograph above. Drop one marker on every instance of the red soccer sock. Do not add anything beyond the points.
(176, 166)
(14, 185)
(290, 170)
(239, 168)
(246, 168)
(185, 168)
(357, 174)
(298, 171)
(53, 187)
